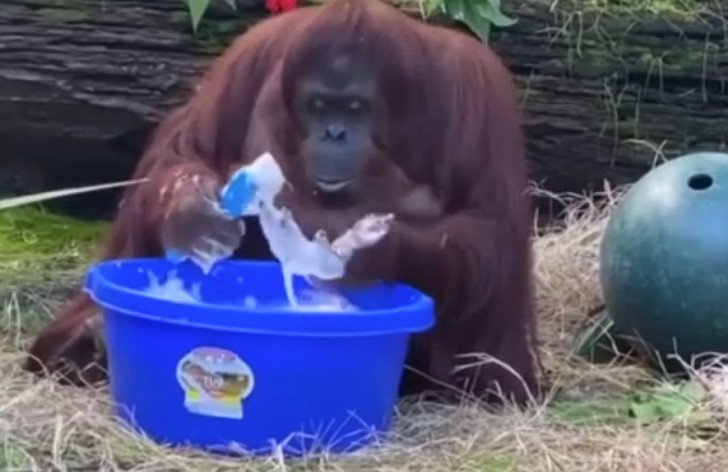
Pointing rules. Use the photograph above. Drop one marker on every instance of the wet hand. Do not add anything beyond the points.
(194, 226)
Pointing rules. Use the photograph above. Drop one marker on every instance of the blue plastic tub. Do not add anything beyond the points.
(301, 381)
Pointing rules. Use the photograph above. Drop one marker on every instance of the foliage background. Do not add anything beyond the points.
(479, 16)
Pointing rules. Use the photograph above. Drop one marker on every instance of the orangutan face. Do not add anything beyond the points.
(336, 109)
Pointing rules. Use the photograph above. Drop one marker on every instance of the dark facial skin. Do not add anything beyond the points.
(335, 110)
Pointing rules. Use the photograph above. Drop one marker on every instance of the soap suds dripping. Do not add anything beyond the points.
(173, 289)
(250, 192)
(263, 180)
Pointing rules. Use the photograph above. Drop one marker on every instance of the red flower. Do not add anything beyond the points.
(280, 6)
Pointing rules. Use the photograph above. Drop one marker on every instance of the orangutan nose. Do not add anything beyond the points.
(335, 133)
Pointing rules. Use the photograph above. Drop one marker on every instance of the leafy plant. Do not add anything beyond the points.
(197, 9)
(666, 402)
(478, 15)
(684, 402)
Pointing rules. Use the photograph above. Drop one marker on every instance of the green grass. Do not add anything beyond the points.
(13, 459)
(42, 258)
(34, 238)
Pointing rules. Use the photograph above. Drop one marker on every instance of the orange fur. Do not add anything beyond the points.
(452, 127)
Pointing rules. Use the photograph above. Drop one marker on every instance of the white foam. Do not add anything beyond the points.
(298, 255)
(173, 289)
(318, 257)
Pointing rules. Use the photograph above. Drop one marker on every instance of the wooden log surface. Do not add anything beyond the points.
(605, 93)
(608, 93)
(82, 82)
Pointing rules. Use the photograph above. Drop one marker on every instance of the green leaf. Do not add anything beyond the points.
(645, 412)
(612, 411)
(669, 402)
(197, 9)
(491, 10)
(478, 15)
(430, 6)
(464, 12)
(43, 196)
(231, 4)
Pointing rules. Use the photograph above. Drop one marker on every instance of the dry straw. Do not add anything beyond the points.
(47, 427)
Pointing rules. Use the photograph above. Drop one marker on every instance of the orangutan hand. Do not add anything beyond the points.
(312, 218)
(376, 262)
(193, 225)
(369, 235)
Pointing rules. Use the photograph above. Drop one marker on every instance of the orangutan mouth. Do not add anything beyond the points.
(332, 186)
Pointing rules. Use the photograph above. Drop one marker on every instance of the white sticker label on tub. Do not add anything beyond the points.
(215, 381)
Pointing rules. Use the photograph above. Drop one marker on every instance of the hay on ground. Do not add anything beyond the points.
(593, 421)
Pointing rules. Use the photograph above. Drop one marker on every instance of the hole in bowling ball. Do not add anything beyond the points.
(700, 181)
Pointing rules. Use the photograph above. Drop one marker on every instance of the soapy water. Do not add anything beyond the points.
(173, 289)
(316, 257)
(250, 192)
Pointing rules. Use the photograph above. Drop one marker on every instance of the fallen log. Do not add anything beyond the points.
(610, 92)
(606, 92)
(82, 82)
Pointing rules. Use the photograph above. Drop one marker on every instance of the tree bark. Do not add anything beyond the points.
(82, 82)
(606, 95)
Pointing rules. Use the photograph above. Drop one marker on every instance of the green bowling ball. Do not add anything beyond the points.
(664, 259)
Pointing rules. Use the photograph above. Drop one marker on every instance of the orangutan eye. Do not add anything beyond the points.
(355, 105)
(318, 104)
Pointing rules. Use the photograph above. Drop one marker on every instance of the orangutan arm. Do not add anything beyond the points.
(71, 340)
(177, 186)
(474, 262)
(140, 222)
(454, 260)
